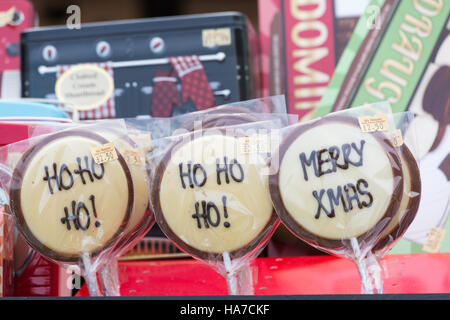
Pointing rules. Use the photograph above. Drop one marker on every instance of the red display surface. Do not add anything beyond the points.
(412, 273)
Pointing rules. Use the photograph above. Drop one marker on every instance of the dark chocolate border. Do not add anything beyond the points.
(413, 203)
(155, 201)
(291, 223)
(16, 187)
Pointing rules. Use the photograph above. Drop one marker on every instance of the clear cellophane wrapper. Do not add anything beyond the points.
(144, 130)
(209, 193)
(78, 193)
(348, 184)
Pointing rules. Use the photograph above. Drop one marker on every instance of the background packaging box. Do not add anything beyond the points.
(301, 40)
(400, 52)
(15, 17)
(152, 64)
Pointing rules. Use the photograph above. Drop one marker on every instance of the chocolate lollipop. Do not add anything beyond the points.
(336, 183)
(66, 205)
(210, 199)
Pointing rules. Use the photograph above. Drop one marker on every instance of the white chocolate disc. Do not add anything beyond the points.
(245, 196)
(330, 195)
(61, 214)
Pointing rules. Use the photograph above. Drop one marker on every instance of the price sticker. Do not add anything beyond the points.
(254, 144)
(378, 122)
(216, 37)
(134, 157)
(434, 240)
(105, 153)
(396, 137)
(244, 145)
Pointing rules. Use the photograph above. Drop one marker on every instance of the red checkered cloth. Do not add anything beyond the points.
(165, 94)
(104, 111)
(194, 83)
(1, 81)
